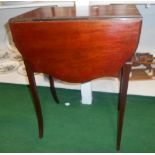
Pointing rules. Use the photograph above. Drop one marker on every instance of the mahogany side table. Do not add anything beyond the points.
(57, 42)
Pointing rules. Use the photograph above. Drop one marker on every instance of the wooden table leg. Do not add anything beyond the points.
(120, 88)
(35, 96)
(122, 100)
(53, 91)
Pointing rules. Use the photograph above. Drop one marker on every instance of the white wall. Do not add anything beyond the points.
(147, 42)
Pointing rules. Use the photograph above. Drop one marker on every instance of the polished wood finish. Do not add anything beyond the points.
(53, 91)
(69, 13)
(99, 45)
(36, 102)
(77, 49)
(124, 74)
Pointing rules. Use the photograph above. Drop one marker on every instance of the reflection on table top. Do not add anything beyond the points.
(102, 11)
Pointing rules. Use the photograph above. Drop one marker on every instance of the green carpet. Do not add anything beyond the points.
(76, 128)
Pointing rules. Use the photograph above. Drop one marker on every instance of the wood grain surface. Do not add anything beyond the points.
(77, 50)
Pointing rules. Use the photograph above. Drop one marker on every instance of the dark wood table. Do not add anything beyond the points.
(57, 42)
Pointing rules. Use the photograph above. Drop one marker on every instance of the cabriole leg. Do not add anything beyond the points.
(35, 96)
